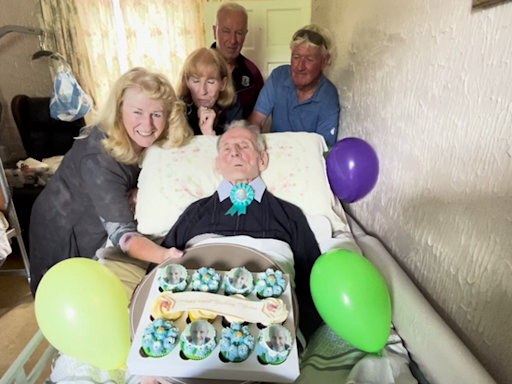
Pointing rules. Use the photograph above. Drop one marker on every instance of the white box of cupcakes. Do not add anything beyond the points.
(222, 325)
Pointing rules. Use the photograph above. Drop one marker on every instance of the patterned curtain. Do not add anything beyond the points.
(160, 34)
(97, 19)
(64, 36)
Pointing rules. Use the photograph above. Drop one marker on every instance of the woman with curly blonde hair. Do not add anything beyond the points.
(207, 89)
(88, 200)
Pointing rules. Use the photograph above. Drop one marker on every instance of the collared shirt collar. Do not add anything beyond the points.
(257, 185)
(240, 60)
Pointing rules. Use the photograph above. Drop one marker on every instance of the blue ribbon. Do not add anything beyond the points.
(241, 196)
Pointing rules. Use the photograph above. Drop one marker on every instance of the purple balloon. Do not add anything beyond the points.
(352, 169)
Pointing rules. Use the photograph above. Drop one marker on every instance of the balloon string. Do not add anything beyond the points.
(379, 354)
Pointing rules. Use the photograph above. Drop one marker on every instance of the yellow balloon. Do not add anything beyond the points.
(82, 310)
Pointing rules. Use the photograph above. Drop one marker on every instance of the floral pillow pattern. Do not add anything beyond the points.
(172, 179)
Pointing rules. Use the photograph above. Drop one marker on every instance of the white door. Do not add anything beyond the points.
(271, 27)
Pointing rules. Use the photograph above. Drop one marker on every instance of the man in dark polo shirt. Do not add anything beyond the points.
(229, 33)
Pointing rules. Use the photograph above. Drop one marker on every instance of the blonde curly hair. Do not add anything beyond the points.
(155, 86)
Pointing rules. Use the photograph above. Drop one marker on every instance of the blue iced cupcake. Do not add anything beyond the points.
(205, 280)
(270, 284)
(236, 343)
(159, 338)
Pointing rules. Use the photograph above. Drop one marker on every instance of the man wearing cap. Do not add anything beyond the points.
(229, 33)
(299, 96)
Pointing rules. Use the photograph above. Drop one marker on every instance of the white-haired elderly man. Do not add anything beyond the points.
(229, 33)
(242, 206)
(298, 96)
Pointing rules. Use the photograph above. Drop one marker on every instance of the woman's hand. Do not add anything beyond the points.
(172, 253)
(206, 118)
(144, 249)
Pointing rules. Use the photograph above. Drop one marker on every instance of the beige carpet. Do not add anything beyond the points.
(17, 319)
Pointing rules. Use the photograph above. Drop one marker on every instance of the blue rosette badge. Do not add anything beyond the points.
(241, 196)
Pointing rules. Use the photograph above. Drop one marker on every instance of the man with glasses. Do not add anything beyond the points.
(229, 33)
(299, 96)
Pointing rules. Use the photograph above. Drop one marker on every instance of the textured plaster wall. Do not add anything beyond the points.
(429, 85)
(18, 74)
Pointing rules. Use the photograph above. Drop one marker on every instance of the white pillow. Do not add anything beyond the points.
(172, 179)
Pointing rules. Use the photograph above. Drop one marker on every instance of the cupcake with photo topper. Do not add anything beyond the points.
(227, 321)
(205, 280)
(159, 338)
(236, 343)
(173, 278)
(238, 281)
(270, 284)
(274, 345)
(198, 340)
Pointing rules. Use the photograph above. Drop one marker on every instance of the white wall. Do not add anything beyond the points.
(18, 74)
(429, 85)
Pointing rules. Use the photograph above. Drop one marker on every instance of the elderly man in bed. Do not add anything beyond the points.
(240, 160)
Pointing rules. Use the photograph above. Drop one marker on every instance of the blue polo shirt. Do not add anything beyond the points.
(318, 114)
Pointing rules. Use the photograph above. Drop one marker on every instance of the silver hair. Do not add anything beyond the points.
(261, 146)
(275, 328)
(232, 7)
(196, 324)
(239, 272)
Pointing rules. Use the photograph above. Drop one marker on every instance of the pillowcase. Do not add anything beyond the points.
(172, 179)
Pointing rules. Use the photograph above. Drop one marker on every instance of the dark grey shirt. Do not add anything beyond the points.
(87, 196)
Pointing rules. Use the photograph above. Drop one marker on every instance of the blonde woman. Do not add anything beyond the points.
(87, 200)
(207, 89)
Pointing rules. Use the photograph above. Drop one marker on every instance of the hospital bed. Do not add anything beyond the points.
(431, 349)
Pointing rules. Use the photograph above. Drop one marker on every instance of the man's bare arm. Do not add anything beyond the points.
(257, 119)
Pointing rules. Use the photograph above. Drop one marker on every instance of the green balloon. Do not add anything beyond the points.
(352, 298)
(82, 310)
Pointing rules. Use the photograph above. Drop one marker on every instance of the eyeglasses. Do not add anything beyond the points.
(312, 36)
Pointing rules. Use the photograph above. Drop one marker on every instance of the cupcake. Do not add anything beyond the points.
(159, 308)
(270, 284)
(238, 281)
(205, 280)
(202, 315)
(173, 278)
(276, 308)
(236, 343)
(227, 321)
(198, 340)
(159, 338)
(274, 345)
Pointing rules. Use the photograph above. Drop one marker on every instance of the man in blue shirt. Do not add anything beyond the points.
(299, 96)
